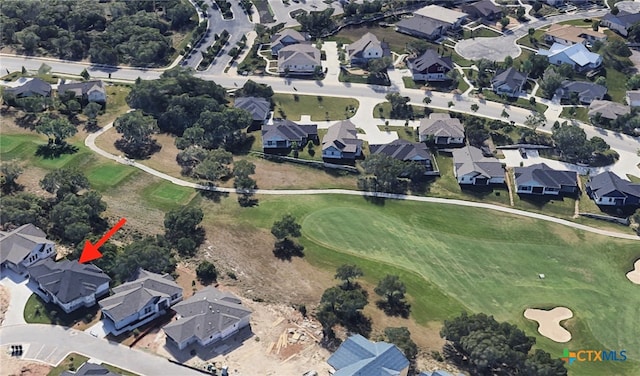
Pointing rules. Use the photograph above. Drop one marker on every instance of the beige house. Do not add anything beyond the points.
(298, 59)
(569, 34)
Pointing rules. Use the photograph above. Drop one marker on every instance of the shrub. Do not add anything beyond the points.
(206, 272)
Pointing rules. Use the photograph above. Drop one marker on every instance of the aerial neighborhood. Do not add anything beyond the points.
(346, 188)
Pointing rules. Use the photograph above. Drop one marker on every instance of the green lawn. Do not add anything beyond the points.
(538, 35)
(616, 84)
(418, 111)
(117, 370)
(38, 312)
(518, 102)
(477, 260)
(107, 175)
(72, 362)
(166, 195)
(405, 133)
(319, 107)
(480, 33)
(580, 22)
(582, 114)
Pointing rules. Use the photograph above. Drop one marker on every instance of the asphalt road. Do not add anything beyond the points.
(51, 344)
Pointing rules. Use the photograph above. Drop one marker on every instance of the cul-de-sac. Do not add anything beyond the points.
(319, 187)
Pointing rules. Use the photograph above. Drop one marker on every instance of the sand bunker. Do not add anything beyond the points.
(549, 322)
(634, 275)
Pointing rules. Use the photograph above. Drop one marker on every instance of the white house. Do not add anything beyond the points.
(69, 284)
(285, 38)
(367, 48)
(90, 91)
(441, 129)
(341, 141)
(430, 66)
(140, 301)
(576, 55)
(298, 59)
(471, 167)
(209, 316)
(509, 82)
(23, 247)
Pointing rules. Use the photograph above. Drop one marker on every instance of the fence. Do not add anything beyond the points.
(307, 162)
(608, 218)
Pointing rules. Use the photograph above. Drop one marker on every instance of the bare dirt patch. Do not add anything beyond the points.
(12, 366)
(549, 322)
(5, 298)
(634, 275)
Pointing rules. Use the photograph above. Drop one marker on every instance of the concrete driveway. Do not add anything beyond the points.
(19, 294)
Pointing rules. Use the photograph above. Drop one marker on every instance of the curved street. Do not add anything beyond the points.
(90, 143)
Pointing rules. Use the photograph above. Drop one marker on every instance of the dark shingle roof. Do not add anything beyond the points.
(402, 150)
(289, 130)
(484, 8)
(131, 297)
(470, 160)
(67, 280)
(441, 125)
(545, 176)
(343, 136)
(207, 312)
(90, 369)
(428, 59)
(35, 86)
(623, 18)
(587, 91)
(258, 107)
(359, 356)
(510, 76)
(17, 244)
(608, 182)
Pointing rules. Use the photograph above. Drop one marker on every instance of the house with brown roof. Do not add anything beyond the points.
(298, 59)
(484, 10)
(367, 48)
(569, 35)
(430, 66)
(284, 38)
(23, 247)
(607, 110)
(441, 129)
(341, 141)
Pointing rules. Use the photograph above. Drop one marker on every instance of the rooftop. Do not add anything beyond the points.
(545, 175)
(439, 13)
(573, 33)
(359, 356)
(17, 244)
(68, 280)
(342, 135)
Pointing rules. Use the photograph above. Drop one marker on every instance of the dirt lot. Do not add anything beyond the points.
(5, 298)
(11, 366)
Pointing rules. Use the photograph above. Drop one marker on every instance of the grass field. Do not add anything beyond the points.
(481, 260)
(318, 107)
(72, 362)
(582, 114)
(165, 195)
(37, 311)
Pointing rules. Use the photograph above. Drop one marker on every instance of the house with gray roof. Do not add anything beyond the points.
(23, 247)
(341, 141)
(484, 10)
(509, 82)
(621, 22)
(87, 91)
(90, 369)
(209, 316)
(607, 110)
(540, 179)
(633, 98)
(585, 91)
(298, 59)
(408, 152)
(367, 48)
(441, 129)
(431, 22)
(357, 356)
(69, 284)
(283, 134)
(430, 66)
(140, 301)
(437, 373)
(31, 87)
(472, 167)
(608, 189)
(285, 38)
(258, 107)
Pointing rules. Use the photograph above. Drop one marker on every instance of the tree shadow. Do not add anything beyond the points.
(286, 249)
(215, 196)
(359, 323)
(52, 150)
(138, 152)
(400, 308)
(247, 200)
(28, 121)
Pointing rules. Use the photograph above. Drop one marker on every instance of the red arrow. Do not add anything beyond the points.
(90, 251)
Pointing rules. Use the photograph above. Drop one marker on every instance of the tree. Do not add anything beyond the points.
(317, 23)
(551, 81)
(74, 217)
(504, 114)
(595, 25)
(474, 107)
(347, 273)
(535, 120)
(531, 32)
(57, 129)
(386, 171)
(520, 12)
(504, 22)
(241, 171)
(253, 89)
(399, 107)
(136, 129)
(64, 181)
(537, 6)
(634, 82)
(508, 62)
(22, 208)
(571, 141)
(214, 166)
(401, 337)
(10, 172)
(85, 74)
(91, 111)
(377, 66)
(182, 229)
(283, 230)
(151, 254)
(206, 272)
(392, 291)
